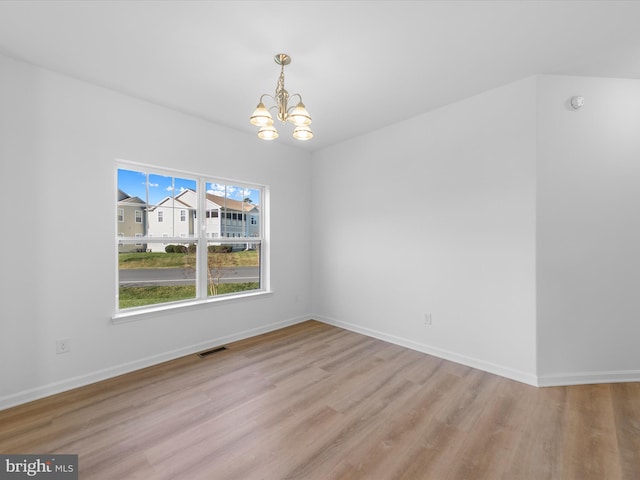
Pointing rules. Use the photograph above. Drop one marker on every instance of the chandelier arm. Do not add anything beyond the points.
(292, 107)
(267, 95)
(274, 99)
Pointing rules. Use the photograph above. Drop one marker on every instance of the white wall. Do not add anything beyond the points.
(435, 214)
(508, 216)
(588, 235)
(58, 141)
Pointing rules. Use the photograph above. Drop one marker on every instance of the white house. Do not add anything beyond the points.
(174, 218)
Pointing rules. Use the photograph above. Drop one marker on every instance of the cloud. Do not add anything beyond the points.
(233, 192)
(216, 189)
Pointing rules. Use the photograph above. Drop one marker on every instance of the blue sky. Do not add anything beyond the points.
(134, 183)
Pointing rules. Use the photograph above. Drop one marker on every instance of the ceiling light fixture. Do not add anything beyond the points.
(296, 114)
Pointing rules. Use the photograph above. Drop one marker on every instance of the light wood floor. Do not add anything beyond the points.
(316, 402)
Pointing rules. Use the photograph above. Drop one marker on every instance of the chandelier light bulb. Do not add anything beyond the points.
(261, 116)
(299, 116)
(302, 132)
(268, 132)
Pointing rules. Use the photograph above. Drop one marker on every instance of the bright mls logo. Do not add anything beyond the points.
(50, 467)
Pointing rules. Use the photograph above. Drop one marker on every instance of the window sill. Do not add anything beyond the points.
(142, 313)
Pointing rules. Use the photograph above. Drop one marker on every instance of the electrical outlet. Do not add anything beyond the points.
(427, 319)
(63, 345)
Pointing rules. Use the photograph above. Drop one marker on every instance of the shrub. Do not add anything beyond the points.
(176, 249)
(192, 248)
(220, 248)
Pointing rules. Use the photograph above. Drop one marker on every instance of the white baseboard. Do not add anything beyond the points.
(588, 378)
(93, 377)
(552, 380)
(501, 370)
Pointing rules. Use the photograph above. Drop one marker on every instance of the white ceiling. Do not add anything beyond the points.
(359, 65)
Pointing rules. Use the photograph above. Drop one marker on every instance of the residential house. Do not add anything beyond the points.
(174, 218)
(131, 221)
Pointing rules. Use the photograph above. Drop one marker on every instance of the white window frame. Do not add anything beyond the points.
(202, 240)
(183, 215)
(120, 215)
(138, 216)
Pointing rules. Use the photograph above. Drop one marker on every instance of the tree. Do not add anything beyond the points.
(216, 263)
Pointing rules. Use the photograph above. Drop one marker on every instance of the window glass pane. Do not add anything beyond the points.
(252, 212)
(131, 200)
(172, 208)
(161, 200)
(185, 201)
(160, 190)
(232, 267)
(239, 209)
(132, 184)
(155, 277)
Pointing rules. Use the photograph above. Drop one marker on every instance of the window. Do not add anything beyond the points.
(121, 215)
(178, 258)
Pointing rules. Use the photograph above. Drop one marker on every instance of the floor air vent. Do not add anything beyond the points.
(206, 353)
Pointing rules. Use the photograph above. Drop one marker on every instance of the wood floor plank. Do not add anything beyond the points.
(313, 401)
(538, 452)
(626, 410)
(591, 445)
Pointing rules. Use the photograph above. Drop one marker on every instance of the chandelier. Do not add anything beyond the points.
(297, 115)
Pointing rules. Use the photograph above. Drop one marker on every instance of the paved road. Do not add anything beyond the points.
(182, 276)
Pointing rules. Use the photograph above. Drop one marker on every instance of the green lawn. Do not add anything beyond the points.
(188, 260)
(139, 296)
(158, 294)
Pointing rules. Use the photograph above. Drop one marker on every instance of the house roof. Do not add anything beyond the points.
(124, 198)
(218, 200)
(231, 204)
